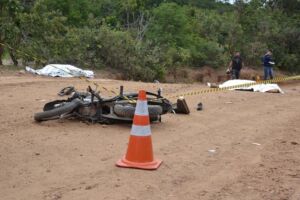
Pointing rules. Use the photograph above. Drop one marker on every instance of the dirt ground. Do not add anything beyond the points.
(255, 137)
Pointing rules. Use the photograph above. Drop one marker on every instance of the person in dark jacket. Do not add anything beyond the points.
(268, 65)
(235, 65)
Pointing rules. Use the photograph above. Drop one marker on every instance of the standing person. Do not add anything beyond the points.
(268, 65)
(236, 65)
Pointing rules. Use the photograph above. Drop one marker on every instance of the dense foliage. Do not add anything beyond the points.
(144, 39)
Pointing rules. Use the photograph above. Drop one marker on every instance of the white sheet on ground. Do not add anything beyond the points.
(59, 70)
(256, 88)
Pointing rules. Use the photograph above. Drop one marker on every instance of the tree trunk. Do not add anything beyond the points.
(1, 53)
(1, 47)
(174, 71)
(13, 57)
(127, 18)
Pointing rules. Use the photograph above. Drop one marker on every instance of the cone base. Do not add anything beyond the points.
(128, 164)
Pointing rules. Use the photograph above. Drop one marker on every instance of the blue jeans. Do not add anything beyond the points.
(268, 73)
(235, 74)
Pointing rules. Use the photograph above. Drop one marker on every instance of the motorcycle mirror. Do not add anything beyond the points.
(121, 90)
(159, 91)
(89, 89)
(66, 91)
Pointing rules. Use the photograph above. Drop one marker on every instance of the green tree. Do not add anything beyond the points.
(169, 25)
(43, 34)
(10, 33)
(145, 39)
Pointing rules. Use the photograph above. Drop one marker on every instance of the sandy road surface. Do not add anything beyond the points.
(73, 160)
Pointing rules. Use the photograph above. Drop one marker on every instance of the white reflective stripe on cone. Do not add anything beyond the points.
(141, 108)
(140, 130)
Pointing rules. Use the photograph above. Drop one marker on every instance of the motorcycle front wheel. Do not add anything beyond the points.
(55, 113)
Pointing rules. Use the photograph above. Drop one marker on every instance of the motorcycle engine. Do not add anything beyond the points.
(90, 110)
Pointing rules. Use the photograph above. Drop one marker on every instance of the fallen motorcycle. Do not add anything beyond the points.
(90, 106)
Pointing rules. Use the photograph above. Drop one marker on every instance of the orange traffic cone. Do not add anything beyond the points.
(139, 152)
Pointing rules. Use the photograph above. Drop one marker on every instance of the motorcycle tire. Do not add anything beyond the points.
(128, 111)
(56, 112)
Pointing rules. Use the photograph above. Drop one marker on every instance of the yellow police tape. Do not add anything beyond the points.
(202, 91)
(211, 90)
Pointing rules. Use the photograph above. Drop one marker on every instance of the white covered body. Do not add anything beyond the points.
(60, 70)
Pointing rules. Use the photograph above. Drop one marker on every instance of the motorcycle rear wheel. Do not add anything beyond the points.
(128, 111)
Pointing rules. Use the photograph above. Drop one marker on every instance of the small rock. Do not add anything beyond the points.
(212, 85)
(88, 187)
(199, 106)
(256, 143)
(212, 151)
(104, 126)
(56, 196)
(91, 186)
(104, 159)
(21, 72)
(149, 187)
(37, 154)
(294, 143)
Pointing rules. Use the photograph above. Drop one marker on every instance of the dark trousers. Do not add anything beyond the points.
(235, 74)
(268, 72)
